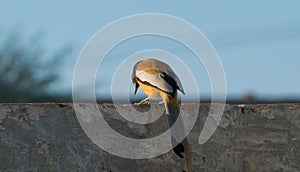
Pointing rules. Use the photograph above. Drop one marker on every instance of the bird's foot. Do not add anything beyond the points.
(161, 102)
(143, 102)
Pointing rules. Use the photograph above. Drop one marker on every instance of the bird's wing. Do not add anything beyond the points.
(158, 80)
(175, 77)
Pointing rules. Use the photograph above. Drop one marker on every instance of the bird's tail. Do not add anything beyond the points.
(182, 148)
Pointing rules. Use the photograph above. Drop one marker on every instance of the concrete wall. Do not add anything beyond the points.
(48, 137)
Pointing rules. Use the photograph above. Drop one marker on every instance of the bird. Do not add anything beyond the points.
(158, 80)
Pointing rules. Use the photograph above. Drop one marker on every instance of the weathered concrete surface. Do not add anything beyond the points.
(48, 137)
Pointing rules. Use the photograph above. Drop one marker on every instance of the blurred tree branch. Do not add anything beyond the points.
(26, 70)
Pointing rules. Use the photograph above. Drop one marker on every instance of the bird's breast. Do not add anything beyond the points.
(150, 91)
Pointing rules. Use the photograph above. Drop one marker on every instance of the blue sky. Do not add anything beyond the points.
(258, 41)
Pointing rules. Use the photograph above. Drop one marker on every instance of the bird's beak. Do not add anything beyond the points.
(135, 87)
